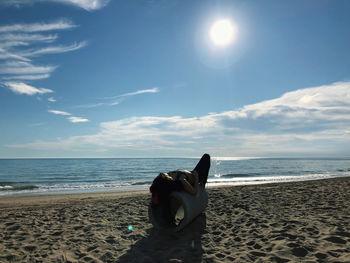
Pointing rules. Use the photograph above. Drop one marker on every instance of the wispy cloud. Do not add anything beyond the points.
(153, 90)
(111, 101)
(58, 112)
(89, 5)
(134, 93)
(306, 121)
(22, 88)
(27, 77)
(119, 98)
(19, 45)
(130, 94)
(7, 55)
(51, 99)
(38, 124)
(62, 24)
(77, 119)
(53, 50)
(10, 44)
(24, 37)
(89, 106)
(24, 68)
(72, 119)
(114, 103)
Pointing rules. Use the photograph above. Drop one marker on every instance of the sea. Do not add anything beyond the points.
(61, 176)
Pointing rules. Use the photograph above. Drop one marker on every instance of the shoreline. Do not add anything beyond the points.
(37, 197)
(138, 188)
(279, 222)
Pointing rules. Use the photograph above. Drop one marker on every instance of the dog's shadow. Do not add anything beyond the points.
(166, 246)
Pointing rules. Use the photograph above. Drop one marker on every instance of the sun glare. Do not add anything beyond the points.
(223, 32)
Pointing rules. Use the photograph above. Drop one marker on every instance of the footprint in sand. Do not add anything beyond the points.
(336, 240)
(279, 260)
(29, 248)
(321, 256)
(299, 252)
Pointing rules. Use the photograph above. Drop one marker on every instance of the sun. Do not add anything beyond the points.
(223, 32)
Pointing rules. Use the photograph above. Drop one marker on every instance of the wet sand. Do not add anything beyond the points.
(289, 222)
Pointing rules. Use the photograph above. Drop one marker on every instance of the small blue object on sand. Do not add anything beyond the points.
(130, 228)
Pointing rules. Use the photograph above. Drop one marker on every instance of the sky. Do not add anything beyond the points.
(100, 78)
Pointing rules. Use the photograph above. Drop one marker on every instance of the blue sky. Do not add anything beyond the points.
(90, 78)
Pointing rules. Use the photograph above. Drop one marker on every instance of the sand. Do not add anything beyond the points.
(289, 222)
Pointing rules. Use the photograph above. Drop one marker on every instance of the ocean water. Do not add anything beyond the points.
(45, 176)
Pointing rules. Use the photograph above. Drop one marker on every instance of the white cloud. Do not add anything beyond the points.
(10, 44)
(22, 88)
(58, 112)
(116, 102)
(24, 68)
(88, 106)
(305, 121)
(5, 55)
(72, 119)
(27, 77)
(135, 93)
(153, 90)
(138, 92)
(330, 97)
(77, 119)
(89, 5)
(51, 99)
(53, 50)
(62, 24)
(19, 44)
(23, 37)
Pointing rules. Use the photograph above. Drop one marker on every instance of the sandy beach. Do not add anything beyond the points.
(289, 222)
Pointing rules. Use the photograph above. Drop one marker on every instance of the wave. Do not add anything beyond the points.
(237, 175)
(343, 170)
(234, 158)
(69, 188)
(142, 183)
(18, 187)
(38, 187)
(6, 183)
(246, 180)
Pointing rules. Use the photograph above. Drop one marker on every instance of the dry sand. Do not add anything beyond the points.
(289, 222)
